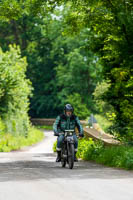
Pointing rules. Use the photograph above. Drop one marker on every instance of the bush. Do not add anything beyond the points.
(113, 156)
(15, 88)
(54, 146)
(14, 92)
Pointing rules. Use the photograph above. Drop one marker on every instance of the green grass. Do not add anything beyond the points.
(114, 156)
(8, 142)
(54, 146)
(48, 127)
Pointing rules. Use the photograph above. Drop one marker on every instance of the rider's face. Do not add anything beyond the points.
(68, 113)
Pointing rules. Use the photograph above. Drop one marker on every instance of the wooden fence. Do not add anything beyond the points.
(89, 132)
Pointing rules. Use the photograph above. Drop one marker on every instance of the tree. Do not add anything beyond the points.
(111, 28)
(14, 10)
(78, 71)
(49, 52)
(35, 38)
(14, 92)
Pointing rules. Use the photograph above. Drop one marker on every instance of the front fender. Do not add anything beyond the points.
(70, 139)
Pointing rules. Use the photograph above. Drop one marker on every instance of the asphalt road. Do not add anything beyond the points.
(32, 174)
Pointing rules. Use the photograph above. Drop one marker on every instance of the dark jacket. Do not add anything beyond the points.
(63, 123)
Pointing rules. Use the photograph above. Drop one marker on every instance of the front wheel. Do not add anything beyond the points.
(63, 159)
(63, 162)
(71, 156)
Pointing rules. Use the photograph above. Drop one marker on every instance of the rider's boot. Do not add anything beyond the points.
(58, 159)
(75, 157)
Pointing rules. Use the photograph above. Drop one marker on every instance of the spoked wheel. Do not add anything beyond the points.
(71, 156)
(63, 160)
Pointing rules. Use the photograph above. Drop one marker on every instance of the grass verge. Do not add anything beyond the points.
(114, 156)
(8, 142)
(48, 127)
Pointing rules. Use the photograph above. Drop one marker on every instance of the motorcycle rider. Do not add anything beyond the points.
(66, 121)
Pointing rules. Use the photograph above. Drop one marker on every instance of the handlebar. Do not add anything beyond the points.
(69, 131)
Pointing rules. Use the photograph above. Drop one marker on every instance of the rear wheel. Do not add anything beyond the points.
(71, 156)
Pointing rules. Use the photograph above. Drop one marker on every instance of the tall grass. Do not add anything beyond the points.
(9, 142)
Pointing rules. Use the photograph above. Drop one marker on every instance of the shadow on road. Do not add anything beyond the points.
(42, 166)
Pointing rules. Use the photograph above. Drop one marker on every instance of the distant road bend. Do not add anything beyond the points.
(32, 174)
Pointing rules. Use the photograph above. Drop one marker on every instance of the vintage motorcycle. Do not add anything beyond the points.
(67, 151)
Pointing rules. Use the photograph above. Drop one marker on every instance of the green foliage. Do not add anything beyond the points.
(113, 156)
(14, 87)
(14, 92)
(80, 109)
(87, 148)
(13, 10)
(104, 122)
(99, 97)
(54, 146)
(8, 142)
(111, 40)
(10, 9)
(58, 65)
(107, 114)
(78, 71)
(64, 60)
(44, 127)
(2, 127)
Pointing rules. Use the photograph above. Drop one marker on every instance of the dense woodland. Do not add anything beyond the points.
(78, 51)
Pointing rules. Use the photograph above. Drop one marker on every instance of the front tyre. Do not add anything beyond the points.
(63, 160)
(71, 156)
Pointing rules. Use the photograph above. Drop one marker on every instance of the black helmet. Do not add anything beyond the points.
(68, 107)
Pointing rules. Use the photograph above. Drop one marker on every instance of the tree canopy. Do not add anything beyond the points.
(71, 46)
(110, 23)
(58, 65)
